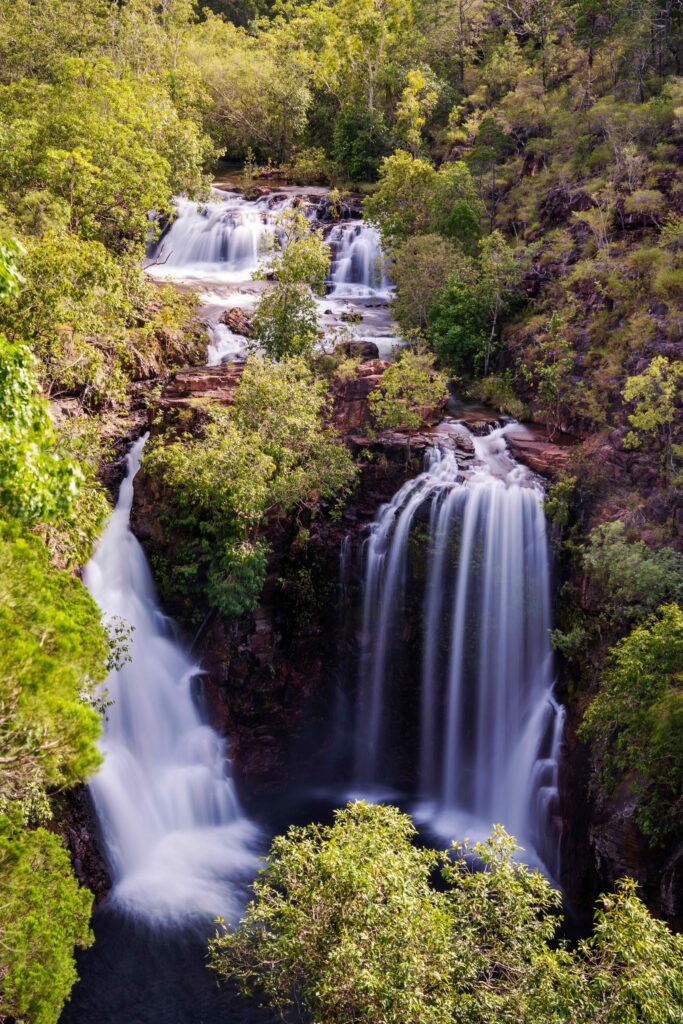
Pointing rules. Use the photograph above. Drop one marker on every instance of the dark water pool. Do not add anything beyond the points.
(136, 975)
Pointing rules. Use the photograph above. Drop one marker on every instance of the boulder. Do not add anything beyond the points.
(530, 446)
(237, 320)
(363, 350)
(201, 385)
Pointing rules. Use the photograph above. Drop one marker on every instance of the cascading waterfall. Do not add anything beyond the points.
(175, 836)
(221, 240)
(358, 268)
(489, 728)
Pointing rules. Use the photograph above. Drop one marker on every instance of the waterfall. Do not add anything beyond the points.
(358, 266)
(221, 240)
(456, 673)
(175, 836)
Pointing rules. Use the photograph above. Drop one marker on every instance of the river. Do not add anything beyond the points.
(455, 638)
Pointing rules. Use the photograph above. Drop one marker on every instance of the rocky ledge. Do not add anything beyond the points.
(530, 445)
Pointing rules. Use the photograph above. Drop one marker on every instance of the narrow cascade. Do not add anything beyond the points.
(358, 268)
(176, 839)
(456, 675)
(221, 240)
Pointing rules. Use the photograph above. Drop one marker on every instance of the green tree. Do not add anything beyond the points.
(44, 913)
(285, 322)
(412, 198)
(360, 140)
(459, 321)
(635, 722)
(549, 373)
(346, 924)
(417, 102)
(400, 206)
(52, 652)
(348, 921)
(409, 390)
(36, 482)
(420, 266)
(656, 395)
(632, 579)
(456, 209)
(268, 454)
(502, 268)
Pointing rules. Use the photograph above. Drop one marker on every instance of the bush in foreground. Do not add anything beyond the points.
(346, 924)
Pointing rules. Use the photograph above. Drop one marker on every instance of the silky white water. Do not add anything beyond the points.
(488, 729)
(176, 839)
(358, 269)
(221, 240)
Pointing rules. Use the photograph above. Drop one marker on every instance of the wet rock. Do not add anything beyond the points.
(350, 407)
(363, 350)
(237, 320)
(201, 385)
(530, 446)
(77, 822)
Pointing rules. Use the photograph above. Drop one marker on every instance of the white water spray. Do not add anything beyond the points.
(219, 241)
(358, 268)
(176, 838)
(489, 728)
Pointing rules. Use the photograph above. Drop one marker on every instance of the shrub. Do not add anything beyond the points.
(459, 324)
(656, 396)
(44, 913)
(408, 390)
(360, 141)
(269, 453)
(632, 579)
(636, 721)
(52, 651)
(420, 266)
(346, 926)
(285, 322)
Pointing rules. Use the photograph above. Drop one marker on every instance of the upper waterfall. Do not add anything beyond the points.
(220, 240)
(358, 268)
(457, 581)
(174, 831)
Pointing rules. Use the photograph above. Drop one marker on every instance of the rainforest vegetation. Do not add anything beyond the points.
(522, 160)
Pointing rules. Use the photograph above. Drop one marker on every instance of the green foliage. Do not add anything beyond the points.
(417, 102)
(301, 256)
(76, 306)
(465, 316)
(558, 503)
(412, 198)
(99, 147)
(285, 322)
(268, 454)
(500, 393)
(10, 279)
(656, 395)
(36, 482)
(400, 204)
(459, 322)
(409, 390)
(632, 579)
(52, 652)
(44, 913)
(636, 721)
(360, 141)
(549, 373)
(346, 925)
(421, 264)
